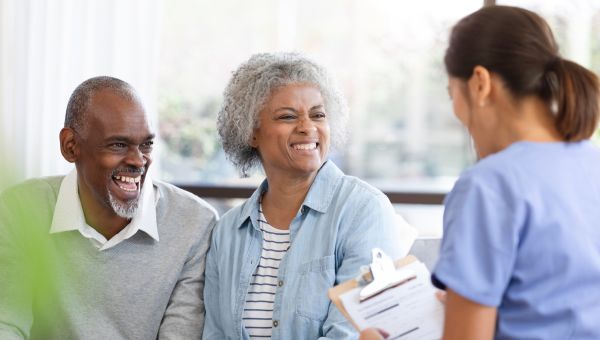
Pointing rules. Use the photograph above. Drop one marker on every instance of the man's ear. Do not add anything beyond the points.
(480, 85)
(69, 146)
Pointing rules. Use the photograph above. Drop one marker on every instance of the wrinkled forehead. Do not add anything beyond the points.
(112, 112)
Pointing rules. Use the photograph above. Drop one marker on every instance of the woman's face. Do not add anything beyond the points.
(457, 89)
(293, 133)
(470, 115)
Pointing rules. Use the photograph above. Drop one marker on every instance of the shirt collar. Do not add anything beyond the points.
(321, 192)
(319, 195)
(68, 213)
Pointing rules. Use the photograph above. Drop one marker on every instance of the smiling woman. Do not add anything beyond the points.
(308, 226)
(254, 83)
(292, 133)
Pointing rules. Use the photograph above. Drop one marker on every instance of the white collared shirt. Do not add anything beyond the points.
(68, 214)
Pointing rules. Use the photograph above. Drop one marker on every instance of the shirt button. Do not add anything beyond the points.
(280, 283)
(275, 323)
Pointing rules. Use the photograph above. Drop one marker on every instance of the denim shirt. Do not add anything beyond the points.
(341, 219)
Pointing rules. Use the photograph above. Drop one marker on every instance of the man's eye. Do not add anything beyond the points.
(118, 146)
(319, 115)
(147, 146)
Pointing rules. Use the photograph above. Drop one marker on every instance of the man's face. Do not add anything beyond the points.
(114, 154)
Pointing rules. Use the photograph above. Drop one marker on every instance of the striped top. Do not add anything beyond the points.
(258, 310)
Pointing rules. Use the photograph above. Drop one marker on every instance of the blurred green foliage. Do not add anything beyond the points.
(188, 129)
(27, 266)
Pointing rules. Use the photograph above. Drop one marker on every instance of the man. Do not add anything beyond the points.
(104, 252)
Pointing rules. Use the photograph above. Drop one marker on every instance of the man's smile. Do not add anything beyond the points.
(127, 183)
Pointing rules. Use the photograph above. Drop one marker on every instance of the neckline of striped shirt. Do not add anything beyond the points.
(258, 309)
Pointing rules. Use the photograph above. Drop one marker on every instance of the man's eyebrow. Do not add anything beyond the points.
(128, 139)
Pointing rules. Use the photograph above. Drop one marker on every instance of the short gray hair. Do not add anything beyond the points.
(249, 89)
(81, 96)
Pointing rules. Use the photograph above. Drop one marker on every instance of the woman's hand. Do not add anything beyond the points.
(373, 334)
(441, 296)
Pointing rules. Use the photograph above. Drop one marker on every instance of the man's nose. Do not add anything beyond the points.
(136, 157)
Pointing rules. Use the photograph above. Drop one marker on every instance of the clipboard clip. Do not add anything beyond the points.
(384, 274)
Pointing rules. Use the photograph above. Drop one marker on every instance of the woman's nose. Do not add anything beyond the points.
(306, 125)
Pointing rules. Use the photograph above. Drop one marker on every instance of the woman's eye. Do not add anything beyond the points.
(286, 117)
(319, 115)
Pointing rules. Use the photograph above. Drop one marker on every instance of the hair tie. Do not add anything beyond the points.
(554, 62)
(552, 82)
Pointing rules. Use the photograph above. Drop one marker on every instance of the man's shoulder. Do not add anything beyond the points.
(177, 198)
(35, 188)
(30, 203)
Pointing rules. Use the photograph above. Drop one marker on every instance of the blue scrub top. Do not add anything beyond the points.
(522, 233)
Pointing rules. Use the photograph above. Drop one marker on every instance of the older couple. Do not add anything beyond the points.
(106, 252)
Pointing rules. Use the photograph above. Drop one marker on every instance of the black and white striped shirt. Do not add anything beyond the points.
(258, 309)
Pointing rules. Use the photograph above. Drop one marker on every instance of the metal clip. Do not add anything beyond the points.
(384, 275)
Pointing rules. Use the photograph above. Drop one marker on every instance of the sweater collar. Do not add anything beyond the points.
(68, 212)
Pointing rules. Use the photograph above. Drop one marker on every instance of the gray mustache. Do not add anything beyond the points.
(140, 171)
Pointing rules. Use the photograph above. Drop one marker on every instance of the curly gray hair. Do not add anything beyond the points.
(249, 89)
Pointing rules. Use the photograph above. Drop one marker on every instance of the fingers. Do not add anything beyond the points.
(373, 334)
(441, 296)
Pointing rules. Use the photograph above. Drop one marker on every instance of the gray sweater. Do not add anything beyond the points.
(138, 289)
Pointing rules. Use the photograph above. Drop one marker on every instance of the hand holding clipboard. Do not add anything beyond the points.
(397, 298)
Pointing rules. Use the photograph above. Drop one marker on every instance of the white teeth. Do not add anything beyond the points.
(128, 179)
(309, 146)
(127, 189)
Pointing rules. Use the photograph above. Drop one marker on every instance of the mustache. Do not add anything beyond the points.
(130, 170)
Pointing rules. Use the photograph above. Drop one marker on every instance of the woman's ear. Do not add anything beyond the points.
(253, 142)
(69, 147)
(480, 85)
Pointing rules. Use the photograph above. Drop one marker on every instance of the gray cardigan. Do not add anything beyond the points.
(139, 289)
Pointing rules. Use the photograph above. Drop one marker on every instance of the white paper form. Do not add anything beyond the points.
(408, 311)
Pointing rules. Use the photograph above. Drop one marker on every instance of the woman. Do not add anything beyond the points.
(308, 226)
(520, 256)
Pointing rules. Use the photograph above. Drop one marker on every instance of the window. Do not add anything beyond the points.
(576, 26)
(386, 56)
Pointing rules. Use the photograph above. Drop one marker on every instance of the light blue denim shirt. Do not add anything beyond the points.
(341, 219)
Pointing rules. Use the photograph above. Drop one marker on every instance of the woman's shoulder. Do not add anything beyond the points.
(359, 188)
(233, 217)
(527, 164)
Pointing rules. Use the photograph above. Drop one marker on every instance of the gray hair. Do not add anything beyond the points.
(81, 96)
(249, 89)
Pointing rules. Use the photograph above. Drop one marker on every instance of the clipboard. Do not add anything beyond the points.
(380, 265)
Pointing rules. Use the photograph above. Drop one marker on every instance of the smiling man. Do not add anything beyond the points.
(105, 251)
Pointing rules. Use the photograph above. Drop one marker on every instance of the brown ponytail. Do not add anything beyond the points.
(575, 100)
(518, 45)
